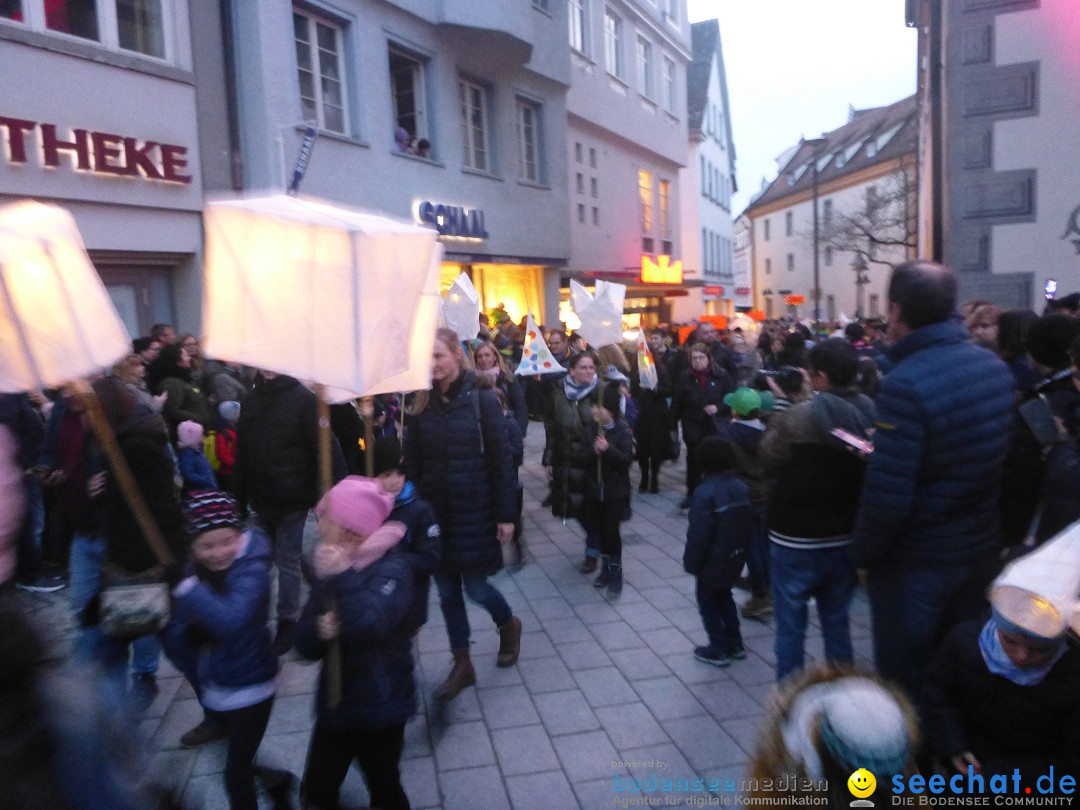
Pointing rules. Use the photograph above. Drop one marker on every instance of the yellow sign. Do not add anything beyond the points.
(662, 271)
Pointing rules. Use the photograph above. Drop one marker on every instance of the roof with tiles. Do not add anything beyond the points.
(870, 137)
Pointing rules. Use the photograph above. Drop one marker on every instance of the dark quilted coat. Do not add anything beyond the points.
(720, 527)
(469, 491)
(570, 429)
(944, 421)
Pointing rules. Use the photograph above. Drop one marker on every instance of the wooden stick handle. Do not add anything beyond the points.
(332, 659)
(367, 411)
(133, 496)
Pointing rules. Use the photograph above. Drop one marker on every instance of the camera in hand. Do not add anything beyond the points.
(788, 378)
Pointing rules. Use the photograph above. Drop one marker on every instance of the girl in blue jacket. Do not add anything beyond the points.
(359, 604)
(218, 638)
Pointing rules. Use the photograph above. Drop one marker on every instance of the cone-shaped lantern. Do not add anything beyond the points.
(1039, 592)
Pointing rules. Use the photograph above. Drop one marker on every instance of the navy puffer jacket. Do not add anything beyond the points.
(471, 491)
(218, 632)
(377, 687)
(944, 422)
(721, 525)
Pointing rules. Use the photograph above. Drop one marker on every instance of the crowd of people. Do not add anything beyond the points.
(917, 455)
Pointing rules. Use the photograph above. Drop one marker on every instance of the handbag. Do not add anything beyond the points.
(133, 605)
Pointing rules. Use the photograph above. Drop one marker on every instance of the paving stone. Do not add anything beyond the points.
(541, 791)
(524, 749)
(462, 745)
(583, 655)
(668, 699)
(639, 663)
(616, 636)
(535, 645)
(744, 731)
(703, 742)
(568, 629)
(547, 675)
(604, 686)
(725, 700)
(631, 725)
(551, 608)
(690, 670)
(662, 760)
(473, 787)
(665, 598)
(418, 779)
(593, 613)
(752, 670)
(565, 712)
(508, 707)
(596, 793)
(642, 616)
(666, 641)
(585, 756)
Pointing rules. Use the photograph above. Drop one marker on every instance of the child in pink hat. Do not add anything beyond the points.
(360, 602)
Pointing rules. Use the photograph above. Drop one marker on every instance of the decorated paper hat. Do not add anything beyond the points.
(646, 366)
(536, 357)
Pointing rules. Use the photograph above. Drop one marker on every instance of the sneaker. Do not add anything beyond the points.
(144, 689)
(50, 584)
(756, 607)
(206, 732)
(738, 653)
(711, 655)
(283, 638)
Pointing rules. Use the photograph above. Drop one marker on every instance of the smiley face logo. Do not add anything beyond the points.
(861, 783)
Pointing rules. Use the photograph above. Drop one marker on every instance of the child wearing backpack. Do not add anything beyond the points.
(195, 468)
(721, 526)
(421, 542)
(360, 602)
(607, 487)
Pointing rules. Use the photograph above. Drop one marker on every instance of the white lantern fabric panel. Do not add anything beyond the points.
(57, 322)
(461, 309)
(600, 314)
(1041, 590)
(321, 293)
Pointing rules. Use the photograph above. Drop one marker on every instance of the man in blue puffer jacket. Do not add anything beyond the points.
(927, 530)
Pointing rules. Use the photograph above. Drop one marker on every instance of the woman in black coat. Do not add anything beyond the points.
(699, 403)
(568, 455)
(654, 426)
(492, 364)
(458, 456)
(171, 374)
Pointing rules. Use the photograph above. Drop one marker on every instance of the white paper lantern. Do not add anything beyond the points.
(1039, 591)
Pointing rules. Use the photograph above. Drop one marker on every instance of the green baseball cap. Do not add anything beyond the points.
(743, 401)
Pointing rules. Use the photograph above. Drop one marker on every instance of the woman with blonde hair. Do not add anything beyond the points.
(457, 453)
(131, 370)
(982, 321)
(488, 362)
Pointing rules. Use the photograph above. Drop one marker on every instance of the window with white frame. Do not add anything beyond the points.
(407, 93)
(137, 26)
(672, 10)
(579, 179)
(595, 215)
(789, 223)
(581, 212)
(669, 84)
(594, 186)
(592, 157)
(579, 152)
(613, 56)
(665, 209)
(473, 100)
(319, 67)
(644, 67)
(578, 10)
(645, 199)
(528, 130)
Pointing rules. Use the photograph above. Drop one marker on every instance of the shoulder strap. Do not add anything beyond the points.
(475, 394)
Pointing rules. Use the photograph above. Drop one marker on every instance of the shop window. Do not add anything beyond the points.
(407, 94)
(319, 69)
(528, 131)
(473, 100)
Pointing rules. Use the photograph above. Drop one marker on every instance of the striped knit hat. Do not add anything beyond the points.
(208, 509)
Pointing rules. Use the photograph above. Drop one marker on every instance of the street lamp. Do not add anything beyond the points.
(815, 144)
(861, 280)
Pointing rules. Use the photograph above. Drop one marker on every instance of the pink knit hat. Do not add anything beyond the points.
(359, 504)
(189, 434)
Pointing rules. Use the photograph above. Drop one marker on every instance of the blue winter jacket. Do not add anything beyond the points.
(930, 495)
(722, 524)
(421, 544)
(195, 469)
(218, 632)
(377, 688)
(471, 491)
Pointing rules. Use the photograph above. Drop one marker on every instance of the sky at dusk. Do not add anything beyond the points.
(794, 66)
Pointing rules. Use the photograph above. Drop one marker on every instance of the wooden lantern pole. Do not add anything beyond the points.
(326, 480)
(367, 412)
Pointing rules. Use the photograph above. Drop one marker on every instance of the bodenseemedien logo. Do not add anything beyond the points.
(862, 783)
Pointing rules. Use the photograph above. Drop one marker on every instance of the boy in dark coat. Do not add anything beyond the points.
(607, 487)
(721, 525)
(421, 541)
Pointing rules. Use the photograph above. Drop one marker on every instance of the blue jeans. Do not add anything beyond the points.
(911, 609)
(453, 604)
(286, 535)
(827, 575)
(91, 645)
(720, 617)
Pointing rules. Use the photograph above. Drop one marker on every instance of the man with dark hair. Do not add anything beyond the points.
(814, 497)
(163, 333)
(927, 527)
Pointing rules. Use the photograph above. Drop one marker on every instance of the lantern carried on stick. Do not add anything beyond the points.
(344, 298)
(58, 327)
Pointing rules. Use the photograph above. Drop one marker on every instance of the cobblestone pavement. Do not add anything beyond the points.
(602, 689)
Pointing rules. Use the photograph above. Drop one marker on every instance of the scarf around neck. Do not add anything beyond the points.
(376, 545)
(702, 377)
(999, 663)
(575, 391)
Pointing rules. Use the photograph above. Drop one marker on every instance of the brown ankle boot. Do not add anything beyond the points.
(509, 643)
(461, 676)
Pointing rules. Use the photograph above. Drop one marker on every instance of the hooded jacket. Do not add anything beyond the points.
(421, 544)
